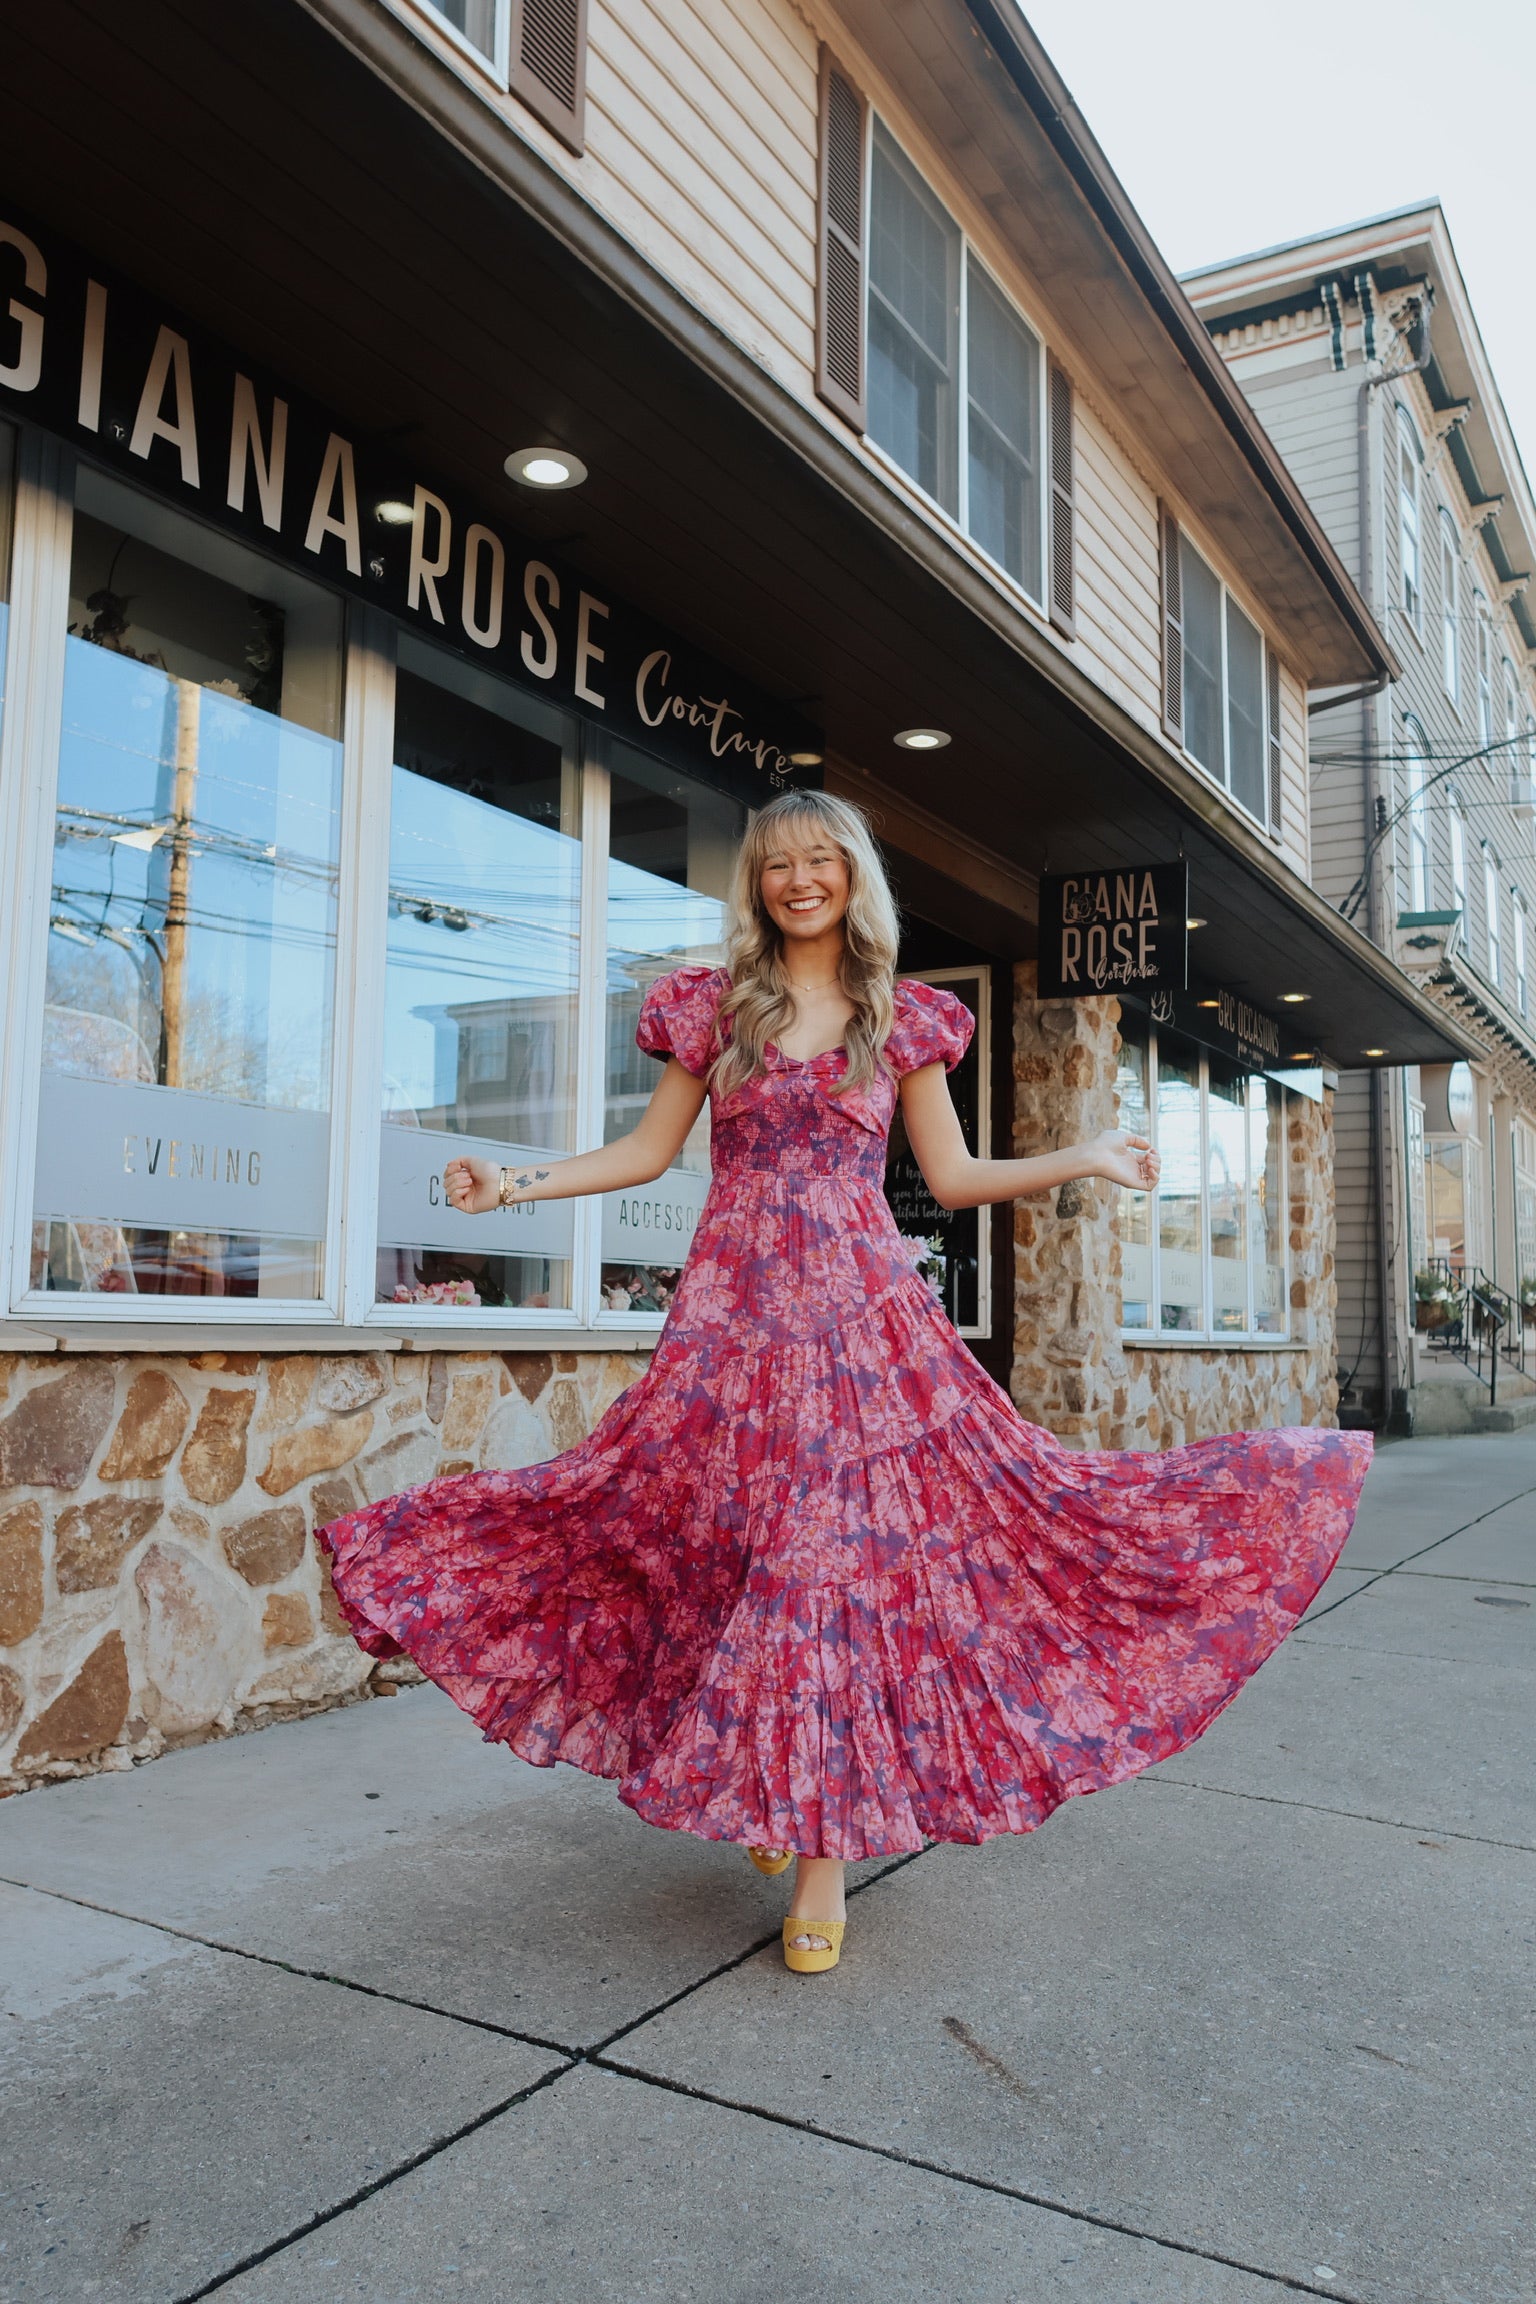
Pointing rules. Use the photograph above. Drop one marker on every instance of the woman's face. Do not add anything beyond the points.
(804, 884)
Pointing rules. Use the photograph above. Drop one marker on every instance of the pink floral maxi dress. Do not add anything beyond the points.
(812, 1583)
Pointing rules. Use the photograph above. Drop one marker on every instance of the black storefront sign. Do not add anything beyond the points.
(1225, 1022)
(1120, 930)
(89, 356)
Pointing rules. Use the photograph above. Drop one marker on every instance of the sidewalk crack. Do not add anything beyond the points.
(991, 2184)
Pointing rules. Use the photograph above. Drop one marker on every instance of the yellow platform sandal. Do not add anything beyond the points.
(772, 1861)
(812, 1960)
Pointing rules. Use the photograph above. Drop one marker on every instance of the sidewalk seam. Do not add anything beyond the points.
(959, 2176)
(1349, 1815)
(1376, 1576)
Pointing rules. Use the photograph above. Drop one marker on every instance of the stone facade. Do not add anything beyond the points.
(159, 1578)
(1071, 1372)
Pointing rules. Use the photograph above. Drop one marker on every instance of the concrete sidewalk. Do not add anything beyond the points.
(361, 2009)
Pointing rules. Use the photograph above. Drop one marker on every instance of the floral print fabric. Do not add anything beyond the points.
(812, 1582)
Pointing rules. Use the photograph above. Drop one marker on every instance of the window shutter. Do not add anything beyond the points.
(548, 65)
(841, 244)
(1272, 671)
(1173, 624)
(1063, 505)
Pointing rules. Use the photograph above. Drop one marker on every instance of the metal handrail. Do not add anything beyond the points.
(1487, 1322)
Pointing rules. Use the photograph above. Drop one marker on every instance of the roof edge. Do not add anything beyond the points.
(1022, 57)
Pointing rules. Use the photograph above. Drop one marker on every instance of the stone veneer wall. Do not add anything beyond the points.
(1071, 1372)
(159, 1578)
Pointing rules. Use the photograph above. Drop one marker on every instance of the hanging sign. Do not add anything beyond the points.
(1223, 1020)
(1119, 930)
(87, 354)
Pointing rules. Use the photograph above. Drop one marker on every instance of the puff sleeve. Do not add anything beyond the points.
(677, 1017)
(931, 1027)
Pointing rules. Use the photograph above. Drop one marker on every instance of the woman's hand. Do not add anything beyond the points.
(472, 1186)
(1121, 1158)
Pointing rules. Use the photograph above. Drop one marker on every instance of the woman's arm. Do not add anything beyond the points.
(647, 1152)
(958, 1180)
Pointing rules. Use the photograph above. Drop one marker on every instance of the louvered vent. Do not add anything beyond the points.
(549, 63)
(1173, 624)
(840, 271)
(1063, 505)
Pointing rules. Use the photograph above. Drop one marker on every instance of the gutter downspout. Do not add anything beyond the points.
(1394, 1402)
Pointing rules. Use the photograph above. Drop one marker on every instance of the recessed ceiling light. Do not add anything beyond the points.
(545, 468)
(805, 759)
(1374, 1051)
(1295, 999)
(923, 739)
(394, 513)
(1192, 922)
(1207, 1003)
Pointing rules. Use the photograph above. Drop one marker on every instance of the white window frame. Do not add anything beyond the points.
(1410, 539)
(1223, 781)
(1458, 837)
(498, 64)
(1239, 1339)
(1420, 862)
(959, 520)
(1450, 608)
(1492, 938)
(1519, 945)
(29, 765)
(1484, 643)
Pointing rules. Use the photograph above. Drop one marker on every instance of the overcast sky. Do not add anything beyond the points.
(1234, 125)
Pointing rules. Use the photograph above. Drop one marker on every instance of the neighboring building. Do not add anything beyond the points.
(355, 788)
(1360, 351)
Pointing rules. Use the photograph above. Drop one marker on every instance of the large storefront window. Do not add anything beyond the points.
(671, 847)
(1204, 1254)
(183, 1129)
(1525, 1216)
(480, 1015)
(7, 471)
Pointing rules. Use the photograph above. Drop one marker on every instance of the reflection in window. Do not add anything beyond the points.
(1445, 1176)
(476, 19)
(480, 983)
(1180, 1236)
(1227, 1174)
(1135, 1207)
(183, 1140)
(1204, 733)
(914, 311)
(1245, 713)
(1002, 432)
(7, 469)
(1205, 1253)
(1266, 1205)
(672, 846)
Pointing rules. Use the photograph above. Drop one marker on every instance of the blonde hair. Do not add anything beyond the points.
(760, 1003)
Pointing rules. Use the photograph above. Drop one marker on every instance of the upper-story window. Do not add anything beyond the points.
(1518, 944)
(1514, 747)
(537, 48)
(1408, 516)
(1416, 744)
(1484, 641)
(1450, 608)
(1458, 858)
(955, 374)
(1225, 723)
(1491, 905)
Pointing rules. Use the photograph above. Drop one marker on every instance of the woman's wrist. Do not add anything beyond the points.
(520, 1185)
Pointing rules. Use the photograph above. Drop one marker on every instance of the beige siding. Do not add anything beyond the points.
(701, 149)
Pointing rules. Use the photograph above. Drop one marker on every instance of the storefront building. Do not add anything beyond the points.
(356, 789)
(1360, 352)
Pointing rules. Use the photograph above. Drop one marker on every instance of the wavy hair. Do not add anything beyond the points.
(760, 1003)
